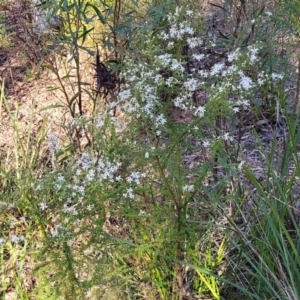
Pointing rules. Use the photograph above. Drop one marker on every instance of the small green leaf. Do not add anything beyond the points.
(51, 107)
(99, 14)
(85, 33)
(49, 67)
(134, 3)
(219, 6)
(90, 52)
(73, 98)
(68, 76)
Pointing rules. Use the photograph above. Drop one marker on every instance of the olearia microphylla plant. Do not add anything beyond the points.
(72, 206)
(133, 201)
(165, 80)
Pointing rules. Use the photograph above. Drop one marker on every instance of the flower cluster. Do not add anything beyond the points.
(17, 239)
(70, 190)
(53, 145)
(166, 76)
(177, 30)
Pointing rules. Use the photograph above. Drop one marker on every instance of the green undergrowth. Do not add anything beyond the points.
(152, 193)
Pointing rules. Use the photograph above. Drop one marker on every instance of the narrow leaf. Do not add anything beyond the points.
(51, 107)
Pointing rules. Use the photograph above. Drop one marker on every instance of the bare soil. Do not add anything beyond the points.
(29, 87)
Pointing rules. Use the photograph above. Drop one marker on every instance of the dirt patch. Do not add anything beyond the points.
(30, 87)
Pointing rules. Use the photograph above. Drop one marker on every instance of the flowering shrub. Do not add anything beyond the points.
(131, 206)
(164, 81)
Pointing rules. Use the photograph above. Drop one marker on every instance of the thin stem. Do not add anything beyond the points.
(298, 89)
(169, 188)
